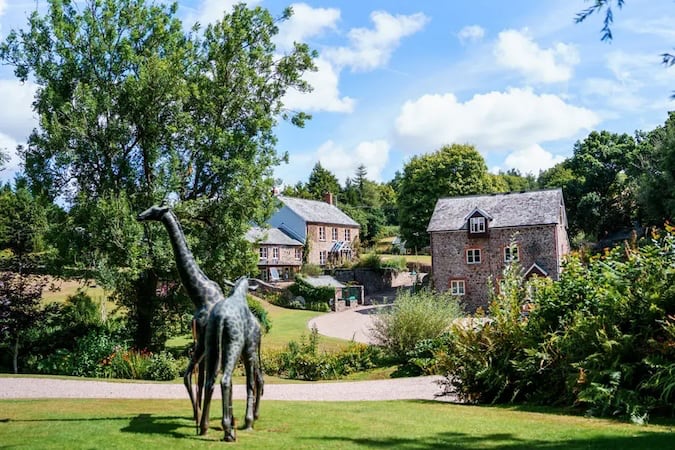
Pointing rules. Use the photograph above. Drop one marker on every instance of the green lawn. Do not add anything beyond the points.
(163, 424)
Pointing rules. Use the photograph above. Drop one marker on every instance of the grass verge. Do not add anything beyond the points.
(161, 424)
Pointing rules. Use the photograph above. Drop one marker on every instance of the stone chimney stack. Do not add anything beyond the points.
(328, 198)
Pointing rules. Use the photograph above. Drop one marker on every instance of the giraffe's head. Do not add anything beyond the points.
(155, 212)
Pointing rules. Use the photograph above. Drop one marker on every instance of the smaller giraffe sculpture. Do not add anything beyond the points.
(203, 292)
(233, 332)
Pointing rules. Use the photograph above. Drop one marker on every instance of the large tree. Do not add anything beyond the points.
(322, 181)
(133, 110)
(450, 171)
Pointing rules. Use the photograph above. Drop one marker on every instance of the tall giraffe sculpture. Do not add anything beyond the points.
(232, 331)
(203, 292)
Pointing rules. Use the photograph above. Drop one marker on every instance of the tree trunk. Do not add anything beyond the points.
(15, 357)
(145, 309)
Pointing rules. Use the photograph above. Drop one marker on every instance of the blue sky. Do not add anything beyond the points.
(519, 80)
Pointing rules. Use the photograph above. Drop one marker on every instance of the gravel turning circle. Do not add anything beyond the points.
(420, 388)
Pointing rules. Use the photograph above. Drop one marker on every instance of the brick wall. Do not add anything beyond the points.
(540, 244)
(317, 245)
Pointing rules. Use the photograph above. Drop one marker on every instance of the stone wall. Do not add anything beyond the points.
(375, 280)
(536, 244)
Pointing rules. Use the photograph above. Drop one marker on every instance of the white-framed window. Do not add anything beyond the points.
(322, 233)
(477, 225)
(457, 287)
(473, 256)
(275, 253)
(511, 253)
(348, 234)
(335, 234)
(298, 254)
(263, 252)
(323, 256)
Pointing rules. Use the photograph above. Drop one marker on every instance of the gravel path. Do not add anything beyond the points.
(420, 388)
(352, 324)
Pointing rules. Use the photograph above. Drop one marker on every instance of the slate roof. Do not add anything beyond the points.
(270, 236)
(317, 212)
(506, 210)
(323, 281)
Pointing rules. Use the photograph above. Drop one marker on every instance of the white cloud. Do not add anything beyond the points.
(3, 5)
(16, 115)
(517, 50)
(494, 121)
(343, 162)
(532, 159)
(372, 48)
(325, 95)
(471, 33)
(306, 22)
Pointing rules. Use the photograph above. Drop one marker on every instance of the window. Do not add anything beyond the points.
(477, 225)
(263, 252)
(473, 256)
(275, 253)
(298, 254)
(511, 253)
(334, 237)
(457, 287)
(322, 257)
(348, 235)
(322, 233)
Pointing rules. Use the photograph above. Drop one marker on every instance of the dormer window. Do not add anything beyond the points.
(477, 224)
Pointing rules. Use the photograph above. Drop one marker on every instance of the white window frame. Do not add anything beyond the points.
(298, 254)
(323, 257)
(263, 252)
(473, 252)
(348, 235)
(511, 253)
(335, 234)
(477, 224)
(322, 233)
(457, 287)
(275, 253)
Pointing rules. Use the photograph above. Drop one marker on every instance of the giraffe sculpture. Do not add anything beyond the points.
(232, 331)
(203, 292)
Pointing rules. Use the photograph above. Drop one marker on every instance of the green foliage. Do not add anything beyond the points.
(450, 171)
(303, 360)
(162, 367)
(311, 270)
(311, 294)
(602, 337)
(413, 318)
(260, 313)
(322, 181)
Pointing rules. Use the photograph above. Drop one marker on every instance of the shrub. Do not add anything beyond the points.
(303, 360)
(396, 264)
(601, 338)
(310, 293)
(370, 260)
(412, 318)
(311, 270)
(260, 313)
(162, 367)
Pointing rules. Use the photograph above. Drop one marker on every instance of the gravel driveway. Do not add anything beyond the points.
(352, 324)
(420, 388)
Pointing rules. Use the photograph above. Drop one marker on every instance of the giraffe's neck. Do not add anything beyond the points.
(192, 277)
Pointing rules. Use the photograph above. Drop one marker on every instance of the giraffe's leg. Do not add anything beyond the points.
(187, 380)
(249, 365)
(259, 382)
(230, 358)
(212, 355)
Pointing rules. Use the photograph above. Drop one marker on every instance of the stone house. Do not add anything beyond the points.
(473, 238)
(327, 233)
(279, 255)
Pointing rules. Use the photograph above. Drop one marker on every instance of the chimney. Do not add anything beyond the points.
(328, 198)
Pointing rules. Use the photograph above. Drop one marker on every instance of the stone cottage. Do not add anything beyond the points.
(279, 255)
(474, 237)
